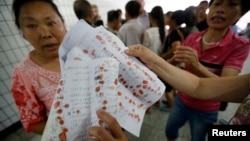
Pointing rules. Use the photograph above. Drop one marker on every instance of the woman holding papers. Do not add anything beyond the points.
(36, 77)
(230, 89)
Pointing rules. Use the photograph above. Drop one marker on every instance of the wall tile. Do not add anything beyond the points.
(1, 48)
(14, 107)
(25, 50)
(14, 118)
(8, 111)
(6, 13)
(19, 54)
(7, 123)
(9, 69)
(1, 32)
(3, 103)
(3, 59)
(3, 116)
(1, 127)
(9, 98)
(11, 56)
(4, 28)
(13, 28)
(3, 89)
(12, 42)
(20, 41)
(1, 13)
(2, 2)
(8, 2)
(4, 44)
(3, 74)
(8, 83)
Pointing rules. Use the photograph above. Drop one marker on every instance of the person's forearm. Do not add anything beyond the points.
(202, 71)
(231, 89)
(40, 127)
(177, 78)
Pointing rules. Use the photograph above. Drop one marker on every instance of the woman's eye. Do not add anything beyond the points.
(233, 4)
(216, 3)
(32, 26)
(52, 23)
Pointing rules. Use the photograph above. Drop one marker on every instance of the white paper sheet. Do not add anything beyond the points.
(97, 74)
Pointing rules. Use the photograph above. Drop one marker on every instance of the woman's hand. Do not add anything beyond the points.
(114, 132)
(188, 56)
(147, 56)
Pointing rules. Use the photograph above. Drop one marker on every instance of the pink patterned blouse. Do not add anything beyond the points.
(33, 89)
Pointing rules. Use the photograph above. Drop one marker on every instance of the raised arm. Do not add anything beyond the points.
(233, 89)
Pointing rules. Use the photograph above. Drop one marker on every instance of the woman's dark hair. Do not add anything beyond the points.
(17, 4)
(169, 13)
(190, 20)
(190, 17)
(244, 6)
(133, 8)
(178, 16)
(119, 10)
(157, 14)
(203, 2)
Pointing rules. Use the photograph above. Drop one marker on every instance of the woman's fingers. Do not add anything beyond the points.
(114, 126)
(185, 53)
(98, 133)
(185, 50)
(111, 133)
(144, 54)
(135, 50)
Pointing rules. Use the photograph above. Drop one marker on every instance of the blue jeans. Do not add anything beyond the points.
(198, 120)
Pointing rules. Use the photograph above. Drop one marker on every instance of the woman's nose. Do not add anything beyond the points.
(221, 9)
(45, 32)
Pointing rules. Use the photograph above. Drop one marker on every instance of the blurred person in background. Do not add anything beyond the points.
(154, 36)
(144, 16)
(83, 10)
(201, 15)
(167, 19)
(131, 32)
(114, 21)
(97, 18)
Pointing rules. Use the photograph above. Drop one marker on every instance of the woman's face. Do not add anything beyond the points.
(201, 10)
(223, 13)
(166, 19)
(95, 11)
(142, 4)
(42, 27)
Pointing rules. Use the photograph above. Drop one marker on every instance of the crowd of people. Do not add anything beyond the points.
(198, 47)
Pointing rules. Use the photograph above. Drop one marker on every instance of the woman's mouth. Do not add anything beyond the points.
(218, 19)
(50, 46)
